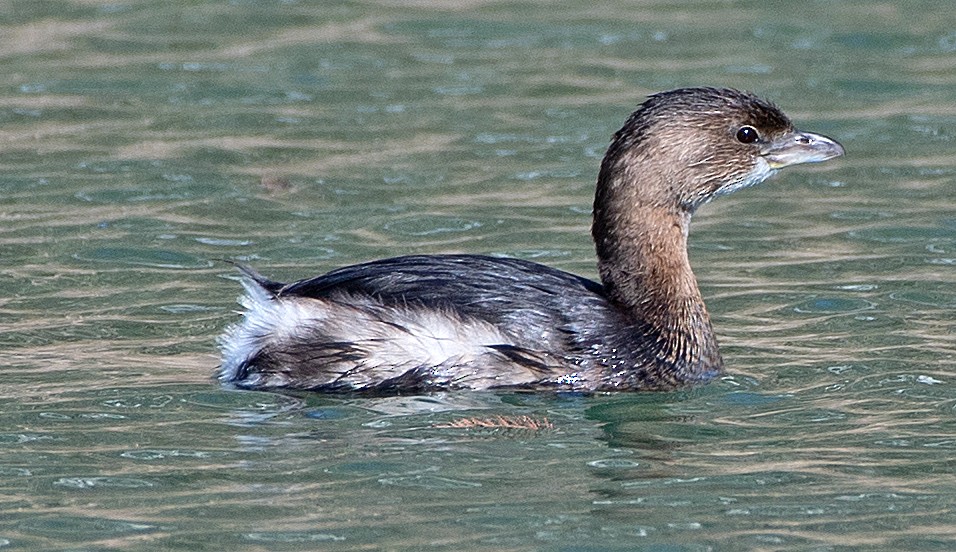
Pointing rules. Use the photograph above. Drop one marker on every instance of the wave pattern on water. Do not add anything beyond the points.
(143, 144)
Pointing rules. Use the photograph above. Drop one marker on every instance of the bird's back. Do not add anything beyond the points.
(422, 322)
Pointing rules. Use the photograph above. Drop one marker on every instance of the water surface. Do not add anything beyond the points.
(143, 143)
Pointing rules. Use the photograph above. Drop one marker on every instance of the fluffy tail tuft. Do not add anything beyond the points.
(243, 340)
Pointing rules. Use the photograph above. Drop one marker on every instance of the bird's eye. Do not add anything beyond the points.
(747, 135)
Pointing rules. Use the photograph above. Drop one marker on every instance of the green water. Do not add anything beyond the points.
(141, 143)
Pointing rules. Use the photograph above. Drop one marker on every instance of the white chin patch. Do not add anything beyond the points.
(761, 172)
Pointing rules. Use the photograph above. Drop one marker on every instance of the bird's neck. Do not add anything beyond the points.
(643, 262)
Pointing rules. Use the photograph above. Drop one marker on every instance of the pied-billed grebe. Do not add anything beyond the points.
(434, 322)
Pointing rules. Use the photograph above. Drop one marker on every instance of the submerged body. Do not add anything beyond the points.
(468, 321)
